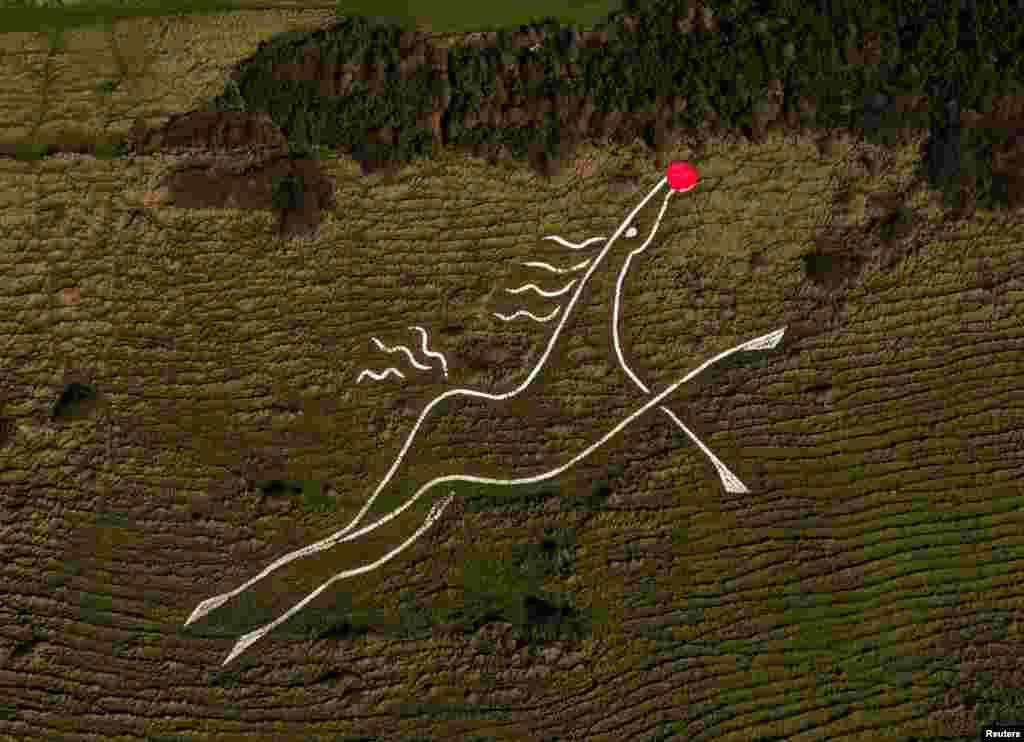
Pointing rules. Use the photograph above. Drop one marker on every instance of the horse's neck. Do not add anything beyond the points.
(588, 307)
(595, 304)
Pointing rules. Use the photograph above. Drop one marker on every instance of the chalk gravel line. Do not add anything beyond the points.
(576, 268)
(422, 367)
(766, 341)
(524, 313)
(574, 245)
(378, 377)
(431, 353)
(542, 292)
(408, 353)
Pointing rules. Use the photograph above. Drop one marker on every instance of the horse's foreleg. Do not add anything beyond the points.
(730, 481)
(253, 636)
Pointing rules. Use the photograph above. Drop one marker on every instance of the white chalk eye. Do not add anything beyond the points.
(631, 232)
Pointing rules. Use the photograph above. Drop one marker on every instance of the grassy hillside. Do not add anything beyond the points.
(179, 407)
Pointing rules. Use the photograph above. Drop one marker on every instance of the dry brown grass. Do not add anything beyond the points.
(224, 354)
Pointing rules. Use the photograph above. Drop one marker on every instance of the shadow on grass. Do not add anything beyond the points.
(314, 499)
(528, 498)
(509, 590)
(499, 590)
(751, 359)
(392, 498)
(533, 498)
(500, 499)
(74, 402)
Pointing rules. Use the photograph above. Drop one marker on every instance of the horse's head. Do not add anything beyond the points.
(638, 229)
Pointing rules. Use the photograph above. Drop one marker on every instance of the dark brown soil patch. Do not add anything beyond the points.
(229, 130)
(252, 168)
(7, 427)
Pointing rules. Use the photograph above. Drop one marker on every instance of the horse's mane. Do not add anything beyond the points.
(564, 289)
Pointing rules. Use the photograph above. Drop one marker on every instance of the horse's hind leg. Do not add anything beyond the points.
(730, 481)
(211, 604)
(253, 636)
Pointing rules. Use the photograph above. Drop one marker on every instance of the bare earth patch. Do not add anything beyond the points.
(249, 156)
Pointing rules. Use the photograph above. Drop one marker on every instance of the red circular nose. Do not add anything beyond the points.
(682, 176)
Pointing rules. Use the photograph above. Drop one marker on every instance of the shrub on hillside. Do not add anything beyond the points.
(288, 192)
(74, 394)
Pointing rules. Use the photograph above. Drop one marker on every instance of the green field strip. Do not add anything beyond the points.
(940, 558)
(840, 708)
(842, 652)
(24, 18)
(858, 610)
(866, 662)
(863, 689)
(909, 525)
(920, 511)
(914, 503)
(450, 17)
(823, 622)
(916, 517)
(805, 606)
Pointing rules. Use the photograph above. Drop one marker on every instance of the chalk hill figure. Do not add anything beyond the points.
(618, 251)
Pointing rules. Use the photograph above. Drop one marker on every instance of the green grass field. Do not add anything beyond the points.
(452, 16)
(54, 15)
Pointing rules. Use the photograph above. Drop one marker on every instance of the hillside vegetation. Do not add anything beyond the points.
(205, 229)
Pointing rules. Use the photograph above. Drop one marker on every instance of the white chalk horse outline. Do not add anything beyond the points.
(729, 480)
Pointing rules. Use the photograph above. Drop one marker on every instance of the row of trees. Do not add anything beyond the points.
(854, 59)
